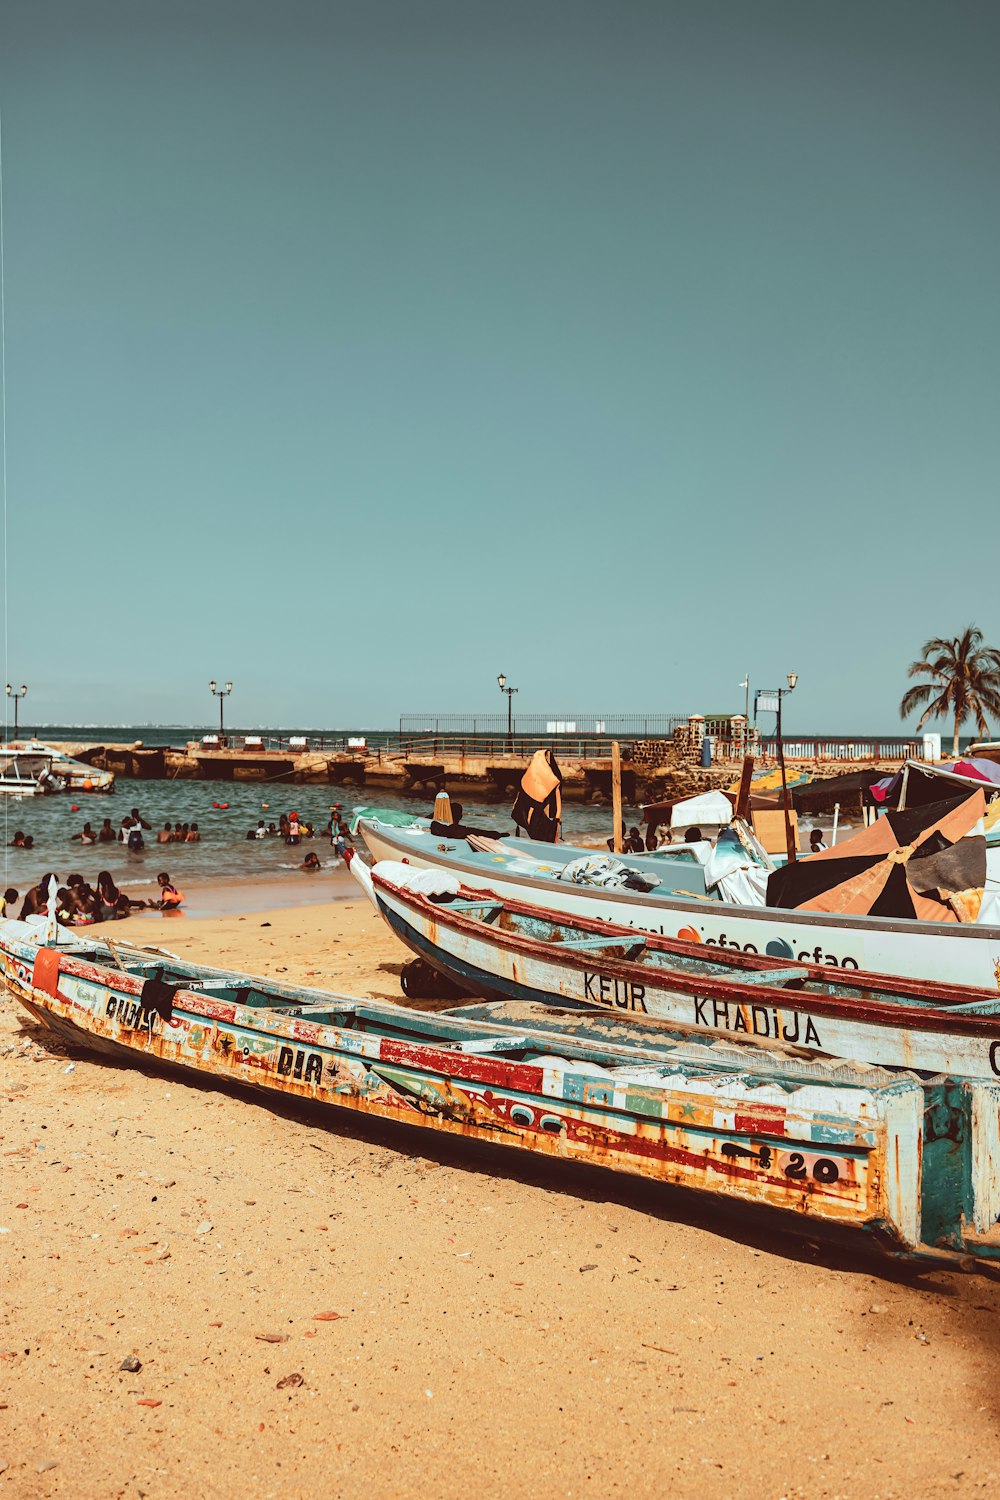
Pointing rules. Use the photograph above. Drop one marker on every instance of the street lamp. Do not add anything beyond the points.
(21, 693)
(771, 699)
(220, 693)
(502, 680)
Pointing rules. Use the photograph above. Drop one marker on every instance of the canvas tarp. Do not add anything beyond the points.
(927, 863)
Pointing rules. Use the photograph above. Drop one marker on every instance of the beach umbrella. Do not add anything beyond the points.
(927, 863)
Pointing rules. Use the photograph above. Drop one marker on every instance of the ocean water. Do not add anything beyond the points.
(224, 851)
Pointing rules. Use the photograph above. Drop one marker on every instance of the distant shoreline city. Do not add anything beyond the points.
(170, 734)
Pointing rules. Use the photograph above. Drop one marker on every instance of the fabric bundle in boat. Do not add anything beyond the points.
(538, 805)
(927, 863)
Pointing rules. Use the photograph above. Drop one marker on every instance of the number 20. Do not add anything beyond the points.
(824, 1170)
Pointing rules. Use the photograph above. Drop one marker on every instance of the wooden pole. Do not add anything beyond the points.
(743, 796)
(616, 796)
(789, 832)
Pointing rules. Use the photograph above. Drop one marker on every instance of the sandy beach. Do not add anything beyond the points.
(313, 1306)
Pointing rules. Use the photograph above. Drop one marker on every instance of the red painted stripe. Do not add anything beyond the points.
(763, 1123)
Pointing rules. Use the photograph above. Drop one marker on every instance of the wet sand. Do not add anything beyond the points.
(331, 1307)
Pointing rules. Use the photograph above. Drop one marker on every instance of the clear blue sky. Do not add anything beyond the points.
(358, 352)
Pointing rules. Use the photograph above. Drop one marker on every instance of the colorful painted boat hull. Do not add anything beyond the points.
(963, 953)
(822, 1147)
(524, 963)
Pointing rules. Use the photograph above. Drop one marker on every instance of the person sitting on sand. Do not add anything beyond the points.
(9, 897)
(85, 836)
(35, 903)
(166, 834)
(65, 906)
(106, 834)
(192, 836)
(72, 910)
(170, 896)
(114, 903)
(311, 861)
(17, 842)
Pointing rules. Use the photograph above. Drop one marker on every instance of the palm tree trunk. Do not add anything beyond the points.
(954, 743)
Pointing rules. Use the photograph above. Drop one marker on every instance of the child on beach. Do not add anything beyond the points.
(9, 897)
(170, 896)
(340, 835)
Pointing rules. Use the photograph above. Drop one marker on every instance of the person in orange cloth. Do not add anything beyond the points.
(170, 896)
(538, 805)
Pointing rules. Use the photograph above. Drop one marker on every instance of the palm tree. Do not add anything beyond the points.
(965, 681)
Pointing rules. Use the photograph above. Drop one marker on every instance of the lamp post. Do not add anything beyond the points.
(502, 680)
(220, 693)
(22, 692)
(772, 700)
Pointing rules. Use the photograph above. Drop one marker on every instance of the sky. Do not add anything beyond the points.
(360, 352)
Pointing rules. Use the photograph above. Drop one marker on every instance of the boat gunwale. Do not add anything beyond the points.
(901, 926)
(304, 1030)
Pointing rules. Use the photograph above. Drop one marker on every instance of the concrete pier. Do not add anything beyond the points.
(487, 776)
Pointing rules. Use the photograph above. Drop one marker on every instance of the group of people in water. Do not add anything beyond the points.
(292, 829)
(130, 833)
(78, 904)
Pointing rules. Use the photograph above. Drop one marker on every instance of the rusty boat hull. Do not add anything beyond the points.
(503, 948)
(891, 1157)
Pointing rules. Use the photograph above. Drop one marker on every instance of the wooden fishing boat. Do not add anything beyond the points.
(505, 949)
(960, 953)
(824, 1144)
